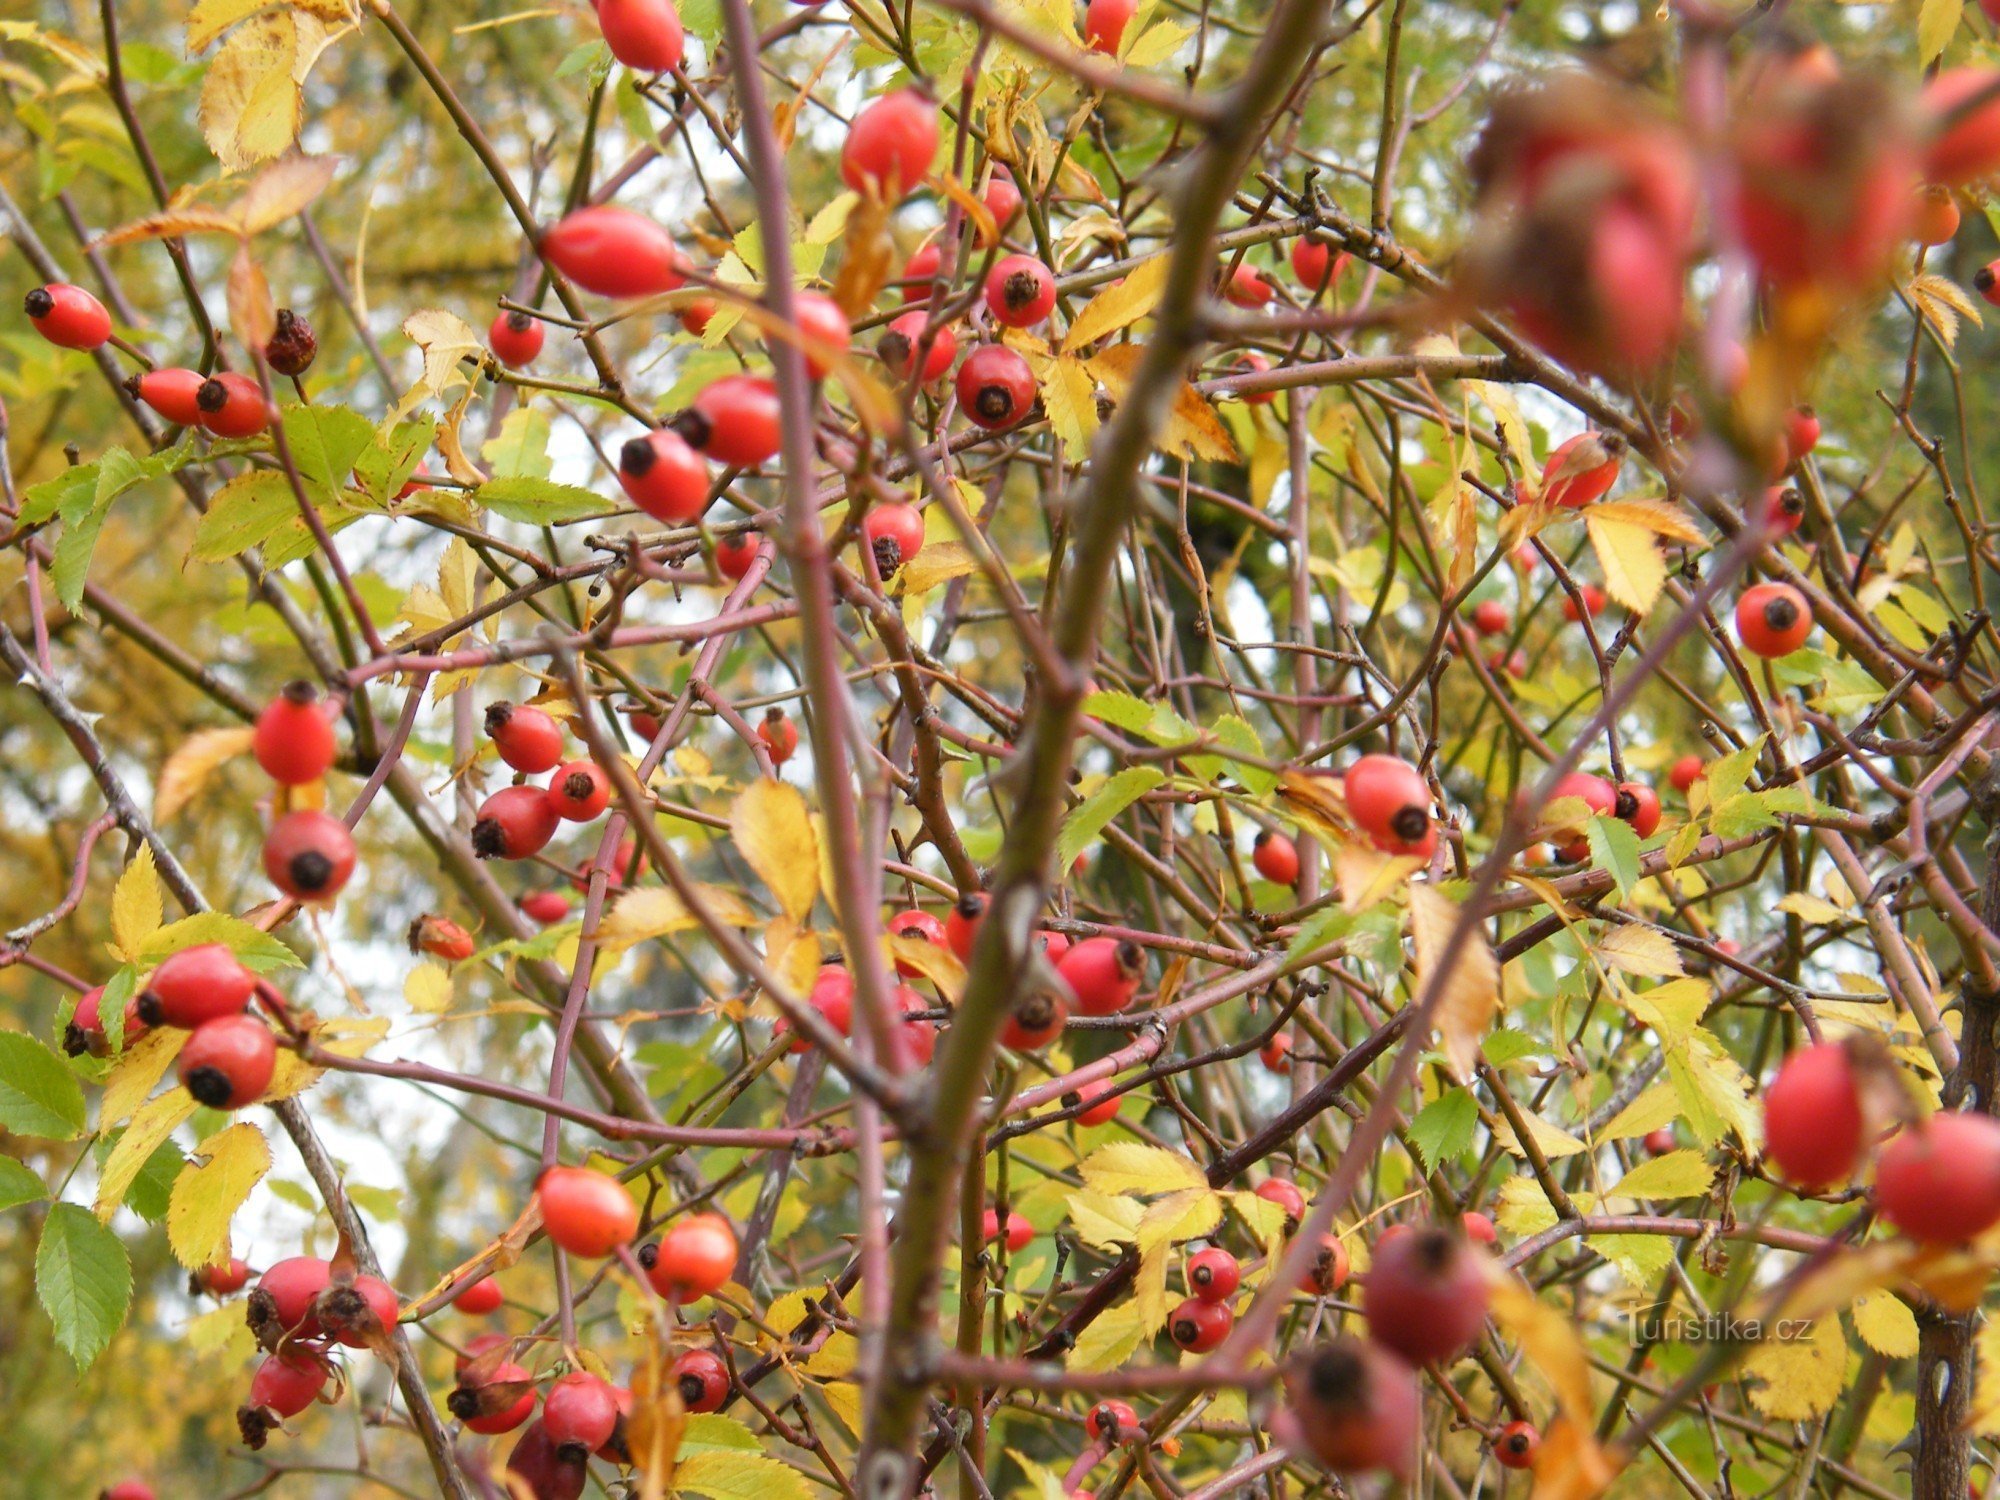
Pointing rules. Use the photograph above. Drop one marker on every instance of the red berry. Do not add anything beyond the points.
(1659, 1142)
(1019, 1230)
(614, 252)
(1814, 1126)
(779, 734)
(476, 1347)
(1094, 1103)
(499, 1403)
(546, 907)
(1250, 362)
(694, 315)
(224, 1280)
(1276, 857)
(1355, 1407)
(359, 1314)
(1965, 145)
(1103, 973)
(85, 1032)
(579, 791)
(1214, 1274)
(1589, 600)
(541, 1469)
(202, 983)
(1276, 1054)
(1389, 801)
(646, 36)
(1939, 1182)
(1328, 1272)
(1247, 288)
(527, 738)
(833, 997)
(1515, 1447)
(1104, 23)
(663, 476)
(1285, 1194)
(1491, 617)
(68, 316)
(920, 273)
(227, 1063)
(695, 1257)
(293, 741)
(1037, 1019)
(1198, 1325)
(1424, 1295)
(735, 421)
(895, 533)
(703, 1380)
(1773, 619)
(479, 1297)
(825, 329)
(891, 144)
(1113, 1422)
(1638, 805)
(1478, 1228)
(898, 347)
(1935, 219)
(516, 822)
(1784, 509)
(996, 387)
(920, 925)
(232, 406)
(441, 937)
(1316, 265)
(961, 923)
(1986, 282)
(579, 1410)
(1020, 291)
(733, 556)
(309, 855)
(1686, 771)
(515, 339)
(286, 1386)
(919, 1035)
(1055, 944)
(1003, 197)
(283, 1301)
(1599, 795)
(171, 393)
(1802, 431)
(292, 347)
(128, 1489)
(586, 1212)
(1580, 470)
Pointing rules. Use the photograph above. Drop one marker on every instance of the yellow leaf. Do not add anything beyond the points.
(938, 562)
(1469, 997)
(837, 1356)
(1108, 1342)
(1193, 428)
(1149, 1289)
(1630, 560)
(774, 834)
(135, 904)
(1937, 20)
(428, 989)
(1801, 1378)
(1885, 1324)
(1552, 1141)
(1657, 1106)
(250, 96)
(1661, 517)
(150, 1127)
(734, 1474)
(208, 19)
(1100, 1219)
(187, 770)
(1678, 1174)
(445, 339)
(137, 1073)
(1129, 1167)
(1156, 44)
(1808, 908)
(173, 223)
(205, 1198)
(1547, 1336)
(1984, 1418)
(1507, 417)
(1366, 876)
(1069, 396)
(651, 911)
(283, 189)
(1639, 950)
(934, 961)
(1119, 305)
(1179, 1216)
(1571, 1465)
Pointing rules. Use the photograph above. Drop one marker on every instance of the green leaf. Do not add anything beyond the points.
(253, 947)
(520, 450)
(18, 1185)
(539, 502)
(39, 1096)
(1091, 815)
(1321, 928)
(1506, 1045)
(1727, 773)
(70, 568)
(386, 464)
(1443, 1128)
(1121, 710)
(84, 1281)
(1614, 847)
(69, 489)
(149, 1194)
(324, 442)
(246, 512)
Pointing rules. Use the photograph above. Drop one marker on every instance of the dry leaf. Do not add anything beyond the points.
(774, 833)
(187, 770)
(1470, 994)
